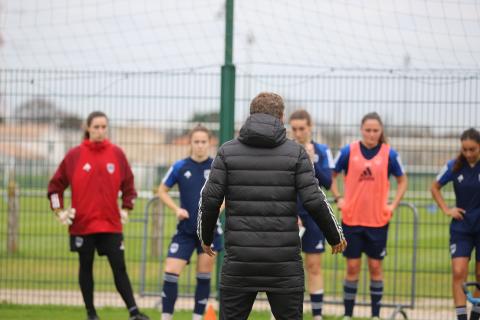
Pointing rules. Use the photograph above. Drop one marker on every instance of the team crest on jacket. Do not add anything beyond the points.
(206, 173)
(316, 158)
(110, 168)
(87, 167)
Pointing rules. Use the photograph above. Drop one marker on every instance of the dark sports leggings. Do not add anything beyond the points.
(122, 282)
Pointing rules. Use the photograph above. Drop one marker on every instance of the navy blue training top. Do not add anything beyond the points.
(323, 165)
(466, 185)
(190, 177)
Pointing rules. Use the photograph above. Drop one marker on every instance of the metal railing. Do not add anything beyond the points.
(150, 114)
(395, 301)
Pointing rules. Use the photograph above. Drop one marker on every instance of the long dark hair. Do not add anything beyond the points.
(376, 116)
(91, 116)
(469, 134)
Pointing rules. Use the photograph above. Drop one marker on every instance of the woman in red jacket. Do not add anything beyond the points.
(96, 170)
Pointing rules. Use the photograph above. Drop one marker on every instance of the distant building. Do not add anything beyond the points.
(151, 151)
(33, 142)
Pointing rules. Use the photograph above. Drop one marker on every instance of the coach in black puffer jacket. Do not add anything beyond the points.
(260, 174)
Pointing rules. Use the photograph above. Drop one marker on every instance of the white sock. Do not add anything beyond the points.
(167, 316)
(197, 316)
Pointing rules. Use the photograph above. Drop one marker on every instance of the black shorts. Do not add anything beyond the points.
(104, 243)
(371, 240)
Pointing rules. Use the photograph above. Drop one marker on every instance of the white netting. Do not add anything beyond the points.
(161, 35)
(120, 34)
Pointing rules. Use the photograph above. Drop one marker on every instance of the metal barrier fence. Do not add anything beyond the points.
(400, 268)
(150, 113)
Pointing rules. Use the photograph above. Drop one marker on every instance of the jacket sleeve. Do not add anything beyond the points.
(211, 198)
(57, 185)
(128, 183)
(314, 200)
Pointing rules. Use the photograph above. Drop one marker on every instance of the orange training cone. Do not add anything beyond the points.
(210, 314)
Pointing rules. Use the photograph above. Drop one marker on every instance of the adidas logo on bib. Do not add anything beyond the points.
(366, 175)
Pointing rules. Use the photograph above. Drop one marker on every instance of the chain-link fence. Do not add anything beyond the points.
(150, 113)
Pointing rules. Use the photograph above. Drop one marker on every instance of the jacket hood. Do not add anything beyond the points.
(263, 131)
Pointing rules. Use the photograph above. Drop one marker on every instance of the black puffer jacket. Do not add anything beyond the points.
(260, 174)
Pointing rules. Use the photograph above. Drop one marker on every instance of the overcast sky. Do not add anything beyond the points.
(171, 34)
(270, 37)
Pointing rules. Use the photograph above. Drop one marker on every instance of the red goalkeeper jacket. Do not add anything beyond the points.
(96, 172)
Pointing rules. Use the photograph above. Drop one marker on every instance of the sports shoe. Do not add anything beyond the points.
(139, 316)
(93, 317)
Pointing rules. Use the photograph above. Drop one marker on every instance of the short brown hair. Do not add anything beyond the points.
(269, 103)
(301, 114)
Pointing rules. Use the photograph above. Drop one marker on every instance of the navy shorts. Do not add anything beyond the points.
(104, 243)
(371, 240)
(313, 240)
(183, 244)
(463, 242)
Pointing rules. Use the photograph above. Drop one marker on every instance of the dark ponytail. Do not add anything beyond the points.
(469, 134)
(91, 116)
(375, 116)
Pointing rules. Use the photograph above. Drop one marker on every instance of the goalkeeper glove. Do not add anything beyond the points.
(66, 216)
